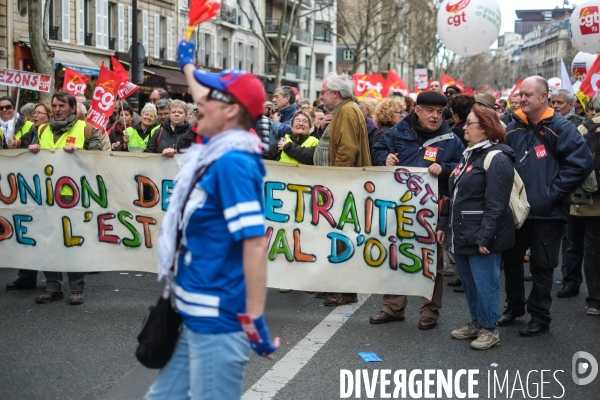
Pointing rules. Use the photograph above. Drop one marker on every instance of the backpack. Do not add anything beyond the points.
(592, 139)
(518, 197)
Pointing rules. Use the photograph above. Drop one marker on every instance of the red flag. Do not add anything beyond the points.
(394, 83)
(468, 90)
(104, 98)
(370, 85)
(589, 85)
(515, 89)
(127, 88)
(200, 11)
(74, 82)
(447, 81)
(429, 84)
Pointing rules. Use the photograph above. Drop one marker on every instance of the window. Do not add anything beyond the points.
(240, 56)
(224, 51)
(207, 50)
(348, 55)
(322, 32)
(252, 59)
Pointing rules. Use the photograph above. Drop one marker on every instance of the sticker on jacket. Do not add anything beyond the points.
(430, 153)
(71, 139)
(540, 151)
(469, 168)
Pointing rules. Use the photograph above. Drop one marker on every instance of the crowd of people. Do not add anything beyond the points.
(474, 145)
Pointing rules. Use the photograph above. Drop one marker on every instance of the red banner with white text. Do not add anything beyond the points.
(369, 85)
(104, 98)
(74, 82)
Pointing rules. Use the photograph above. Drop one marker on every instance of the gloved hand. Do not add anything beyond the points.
(185, 53)
(258, 334)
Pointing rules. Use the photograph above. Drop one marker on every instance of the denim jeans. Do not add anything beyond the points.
(203, 367)
(480, 275)
(54, 281)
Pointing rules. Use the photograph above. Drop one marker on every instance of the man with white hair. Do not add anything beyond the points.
(344, 143)
(562, 102)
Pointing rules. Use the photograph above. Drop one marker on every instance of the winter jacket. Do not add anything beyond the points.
(402, 139)
(548, 181)
(479, 210)
(574, 118)
(348, 140)
(591, 133)
(165, 137)
(284, 126)
(459, 131)
(297, 149)
(375, 135)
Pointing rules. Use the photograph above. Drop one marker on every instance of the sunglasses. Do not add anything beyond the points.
(6, 108)
(218, 95)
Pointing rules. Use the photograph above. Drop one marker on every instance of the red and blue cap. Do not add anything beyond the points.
(246, 88)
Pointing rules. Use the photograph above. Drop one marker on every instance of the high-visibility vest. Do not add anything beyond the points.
(135, 140)
(24, 129)
(74, 136)
(309, 142)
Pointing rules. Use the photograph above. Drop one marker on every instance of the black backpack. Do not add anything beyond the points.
(592, 139)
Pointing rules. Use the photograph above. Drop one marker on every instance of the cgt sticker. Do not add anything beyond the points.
(431, 153)
(540, 151)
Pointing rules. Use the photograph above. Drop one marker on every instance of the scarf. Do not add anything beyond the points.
(322, 157)
(8, 127)
(60, 127)
(468, 152)
(195, 159)
(423, 134)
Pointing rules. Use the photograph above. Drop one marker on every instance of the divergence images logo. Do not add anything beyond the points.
(580, 367)
(589, 20)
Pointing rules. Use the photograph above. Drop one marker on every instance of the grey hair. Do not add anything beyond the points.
(304, 102)
(190, 107)
(178, 104)
(149, 107)
(27, 110)
(596, 101)
(163, 103)
(343, 84)
(287, 91)
(569, 97)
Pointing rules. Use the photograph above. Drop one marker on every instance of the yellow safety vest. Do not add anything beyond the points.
(309, 142)
(24, 129)
(136, 141)
(74, 136)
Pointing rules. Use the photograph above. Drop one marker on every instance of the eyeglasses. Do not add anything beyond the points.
(223, 97)
(469, 123)
(6, 108)
(301, 122)
(450, 92)
(38, 113)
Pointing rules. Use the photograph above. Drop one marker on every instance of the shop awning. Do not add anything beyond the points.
(174, 79)
(76, 61)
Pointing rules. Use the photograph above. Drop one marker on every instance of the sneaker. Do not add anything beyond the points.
(76, 297)
(486, 340)
(468, 331)
(593, 311)
(49, 297)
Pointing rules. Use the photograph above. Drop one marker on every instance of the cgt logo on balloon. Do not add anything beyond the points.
(455, 7)
(589, 20)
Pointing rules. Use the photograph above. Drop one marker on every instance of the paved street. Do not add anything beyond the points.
(57, 351)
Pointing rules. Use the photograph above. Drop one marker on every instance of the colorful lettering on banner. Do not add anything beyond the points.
(25, 80)
(328, 229)
(540, 151)
(104, 97)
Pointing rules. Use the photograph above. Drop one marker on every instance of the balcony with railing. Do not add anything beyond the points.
(88, 38)
(162, 53)
(322, 33)
(307, 3)
(111, 43)
(53, 32)
(301, 73)
(300, 35)
(228, 14)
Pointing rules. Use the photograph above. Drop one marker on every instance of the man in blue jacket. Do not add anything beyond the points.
(552, 159)
(422, 139)
(284, 99)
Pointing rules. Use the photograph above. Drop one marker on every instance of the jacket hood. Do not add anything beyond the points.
(521, 117)
(288, 111)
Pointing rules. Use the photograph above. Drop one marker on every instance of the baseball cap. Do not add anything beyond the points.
(246, 88)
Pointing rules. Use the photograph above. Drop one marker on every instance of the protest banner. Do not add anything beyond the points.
(369, 85)
(25, 80)
(127, 88)
(394, 83)
(74, 82)
(104, 98)
(329, 229)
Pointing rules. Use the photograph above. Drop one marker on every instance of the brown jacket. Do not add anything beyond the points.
(349, 142)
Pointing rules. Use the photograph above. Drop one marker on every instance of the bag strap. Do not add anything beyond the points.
(591, 126)
(43, 129)
(488, 159)
(88, 131)
(158, 138)
(445, 136)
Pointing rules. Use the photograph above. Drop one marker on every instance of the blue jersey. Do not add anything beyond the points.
(225, 207)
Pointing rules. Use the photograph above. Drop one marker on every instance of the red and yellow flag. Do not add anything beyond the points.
(104, 98)
(369, 85)
(590, 85)
(74, 82)
(394, 83)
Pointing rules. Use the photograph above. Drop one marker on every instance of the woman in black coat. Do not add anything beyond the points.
(479, 224)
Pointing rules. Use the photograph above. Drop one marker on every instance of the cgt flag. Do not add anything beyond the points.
(394, 83)
(590, 85)
(447, 81)
(74, 82)
(370, 85)
(127, 88)
(104, 98)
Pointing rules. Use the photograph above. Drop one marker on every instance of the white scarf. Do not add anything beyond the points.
(194, 159)
(8, 127)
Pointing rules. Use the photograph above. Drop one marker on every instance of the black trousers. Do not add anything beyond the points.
(573, 257)
(543, 237)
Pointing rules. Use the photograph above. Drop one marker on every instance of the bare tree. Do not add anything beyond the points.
(285, 30)
(43, 56)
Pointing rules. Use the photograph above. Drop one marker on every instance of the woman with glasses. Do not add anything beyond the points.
(479, 224)
(41, 119)
(167, 140)
(297, 147)
(12, 124)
